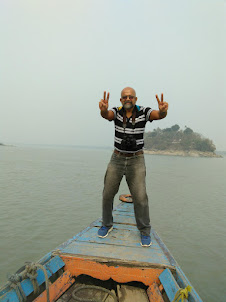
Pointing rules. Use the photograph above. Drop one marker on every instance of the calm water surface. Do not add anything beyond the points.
(47, 195)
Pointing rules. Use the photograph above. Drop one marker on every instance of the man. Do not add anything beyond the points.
(128, 158)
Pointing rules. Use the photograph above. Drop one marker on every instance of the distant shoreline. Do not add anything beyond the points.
(3, 145)
(191, 153)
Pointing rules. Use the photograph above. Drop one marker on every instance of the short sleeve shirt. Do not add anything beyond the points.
(142, 117)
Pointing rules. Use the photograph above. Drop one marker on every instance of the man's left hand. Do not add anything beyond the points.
(163, 106)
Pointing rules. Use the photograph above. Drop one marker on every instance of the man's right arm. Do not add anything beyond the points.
(108, 115)
(103, 105)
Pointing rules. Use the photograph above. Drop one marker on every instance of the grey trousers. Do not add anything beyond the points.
(135, 172)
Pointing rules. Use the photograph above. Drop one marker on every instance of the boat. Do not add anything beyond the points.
(115, 268)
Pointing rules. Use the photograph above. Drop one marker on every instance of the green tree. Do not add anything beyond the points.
(175, 139)
(175, 127)
(188, 131)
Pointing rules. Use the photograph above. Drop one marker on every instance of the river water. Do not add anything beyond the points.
(48, 194)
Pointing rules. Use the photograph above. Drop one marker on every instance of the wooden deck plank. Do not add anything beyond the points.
(125, 219)
(117, 237)
(118, 226)
(128, 293)
(116, 252)
(105, 270)
(109, 298)
(57, 288)
(154, 293)
(124, 210)
(125, 206)
(169, 283)
(120, 212)
(122, 243)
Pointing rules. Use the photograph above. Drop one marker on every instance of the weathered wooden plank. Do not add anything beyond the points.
(118, 226)
(106, 271)
(57, 288)
(131, 294)
(124, 219)
(169, 283)
(117, 252)
(124, 210)
(123, 213)
(67, 296)
(154, 293)
(117, 237)
(124, 205)
(121, 206)
(109, 298)
(45, 258)
(119, 262)
(10, 296)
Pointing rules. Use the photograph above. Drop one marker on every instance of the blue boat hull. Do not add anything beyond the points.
(118, 257)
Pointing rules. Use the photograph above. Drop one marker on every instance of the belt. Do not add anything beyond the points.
(128, 154)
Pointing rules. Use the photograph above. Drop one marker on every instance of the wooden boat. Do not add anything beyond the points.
(116, 268)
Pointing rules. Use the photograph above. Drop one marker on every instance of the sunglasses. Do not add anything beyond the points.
(128, 96)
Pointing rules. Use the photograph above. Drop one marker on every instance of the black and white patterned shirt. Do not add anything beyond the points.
(142, 117)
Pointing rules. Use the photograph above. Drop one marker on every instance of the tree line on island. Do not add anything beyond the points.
(176, 139)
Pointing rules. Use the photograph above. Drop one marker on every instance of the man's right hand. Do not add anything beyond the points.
(103, 104)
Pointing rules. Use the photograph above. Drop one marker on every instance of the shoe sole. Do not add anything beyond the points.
(146, 245)
(107, 233)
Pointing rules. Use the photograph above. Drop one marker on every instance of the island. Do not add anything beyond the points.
(3, 145)
(178, 142)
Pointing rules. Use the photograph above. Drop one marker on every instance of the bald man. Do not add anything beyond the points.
(128, 159)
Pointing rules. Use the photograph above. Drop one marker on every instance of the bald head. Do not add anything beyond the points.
(128, 90)
(128, 98)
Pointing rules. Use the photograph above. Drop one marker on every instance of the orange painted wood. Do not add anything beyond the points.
(154, 294)
(57, 288)
(161, 287)
(78, 266)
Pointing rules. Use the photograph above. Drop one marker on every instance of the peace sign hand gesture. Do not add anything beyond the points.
(103, 104)
(163, 106)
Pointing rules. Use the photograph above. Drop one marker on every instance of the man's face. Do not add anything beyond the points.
(128, 98)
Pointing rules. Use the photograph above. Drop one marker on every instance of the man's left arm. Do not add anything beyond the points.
(162, 112)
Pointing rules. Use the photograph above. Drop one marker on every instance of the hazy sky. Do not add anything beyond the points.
(57, 58)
